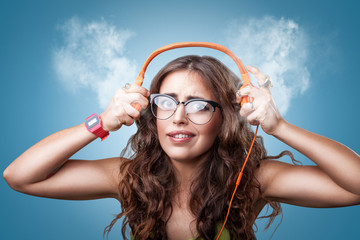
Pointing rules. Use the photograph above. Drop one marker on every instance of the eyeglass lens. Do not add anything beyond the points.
(197, 111)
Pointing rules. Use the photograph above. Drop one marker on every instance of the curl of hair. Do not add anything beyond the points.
(148, 183)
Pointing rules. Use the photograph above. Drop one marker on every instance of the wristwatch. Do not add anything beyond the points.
(94, 125)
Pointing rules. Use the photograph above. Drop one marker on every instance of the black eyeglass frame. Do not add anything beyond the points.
(213, 104)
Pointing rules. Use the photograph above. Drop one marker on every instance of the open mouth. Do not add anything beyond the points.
(180, 136)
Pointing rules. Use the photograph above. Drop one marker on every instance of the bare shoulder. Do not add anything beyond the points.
(268, 170)
(265, 174)
(113, 167)
(110, 166)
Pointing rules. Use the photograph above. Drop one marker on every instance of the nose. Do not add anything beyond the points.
(179, 116)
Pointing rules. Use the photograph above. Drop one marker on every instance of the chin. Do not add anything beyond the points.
(184, 156)
(179, 156)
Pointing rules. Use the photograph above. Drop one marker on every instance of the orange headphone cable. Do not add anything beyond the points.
(238, 182)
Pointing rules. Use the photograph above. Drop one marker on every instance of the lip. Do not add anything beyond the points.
(189, 135)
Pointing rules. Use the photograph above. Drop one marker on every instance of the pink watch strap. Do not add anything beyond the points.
(97, 128)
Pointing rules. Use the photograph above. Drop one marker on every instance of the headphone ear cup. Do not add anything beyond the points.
(245, 99)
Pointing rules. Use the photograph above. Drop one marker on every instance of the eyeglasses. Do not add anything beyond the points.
(198, 111)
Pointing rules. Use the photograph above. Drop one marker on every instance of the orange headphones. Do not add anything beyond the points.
(244, 76)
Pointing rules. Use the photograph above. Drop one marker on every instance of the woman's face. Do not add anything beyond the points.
(181, 139)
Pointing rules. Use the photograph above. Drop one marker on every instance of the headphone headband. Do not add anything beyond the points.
(244, 74)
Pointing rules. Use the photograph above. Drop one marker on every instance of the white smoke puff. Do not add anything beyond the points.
(93, 57)
(278, 47)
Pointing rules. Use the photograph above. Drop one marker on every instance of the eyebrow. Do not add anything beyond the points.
(174, 95)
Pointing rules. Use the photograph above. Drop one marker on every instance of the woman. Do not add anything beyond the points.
(191, 142)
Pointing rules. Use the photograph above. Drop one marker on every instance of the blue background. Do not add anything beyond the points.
(35, 104)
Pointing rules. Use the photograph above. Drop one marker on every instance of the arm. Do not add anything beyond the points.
(332, 182)
(45, 169)
(339, 162)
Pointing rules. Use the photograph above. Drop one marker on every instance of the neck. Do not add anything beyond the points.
(185, 171)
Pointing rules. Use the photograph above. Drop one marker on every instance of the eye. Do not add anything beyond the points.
(165, 103)
(197, 106)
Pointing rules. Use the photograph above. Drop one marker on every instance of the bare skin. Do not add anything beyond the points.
(46, 170)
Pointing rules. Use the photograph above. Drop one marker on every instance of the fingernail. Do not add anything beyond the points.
(127, 86)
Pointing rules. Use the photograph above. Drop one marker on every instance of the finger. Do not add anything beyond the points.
(137, 98)
(247, 109)
(257, 116)
(253, 118)
(245, 91)
(132, 112)
(128, 121)
(245, 95)
(238, 96)
(250, 91)
(133, 88)
(258, 74)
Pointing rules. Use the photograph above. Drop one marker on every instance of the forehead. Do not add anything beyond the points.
(186, 83)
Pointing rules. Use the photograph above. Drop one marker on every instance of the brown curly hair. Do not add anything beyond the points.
(148, 182)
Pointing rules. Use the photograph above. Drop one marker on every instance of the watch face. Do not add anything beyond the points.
(92, 122)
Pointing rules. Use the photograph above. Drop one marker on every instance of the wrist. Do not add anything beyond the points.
(281, 126)
(94, 125)
(104, 123)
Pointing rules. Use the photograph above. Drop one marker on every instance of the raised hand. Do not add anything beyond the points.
(262, 109)
(121, 108)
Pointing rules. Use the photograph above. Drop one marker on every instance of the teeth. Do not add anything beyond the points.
(181, 136)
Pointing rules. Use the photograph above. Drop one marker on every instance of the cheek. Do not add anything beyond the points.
(216, 122)
(212, 129)
(160, 125)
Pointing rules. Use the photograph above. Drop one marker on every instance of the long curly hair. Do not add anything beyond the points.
(147, 179)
